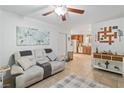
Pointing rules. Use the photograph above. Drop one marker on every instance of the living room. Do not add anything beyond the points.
(23, 26)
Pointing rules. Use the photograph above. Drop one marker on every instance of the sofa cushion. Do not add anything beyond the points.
(57, 66)
(32, 73)
(25, 63)
(43, 60)
(16, 70)
(51, 56)
(30, 76)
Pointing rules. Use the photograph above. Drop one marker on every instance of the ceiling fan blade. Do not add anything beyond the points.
(75, 10)
(45, 14)
(63, 18)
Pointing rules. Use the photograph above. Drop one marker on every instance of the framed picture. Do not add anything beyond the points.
(26, 36)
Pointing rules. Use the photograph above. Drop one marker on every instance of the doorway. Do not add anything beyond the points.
(81, 44)
(77, 43)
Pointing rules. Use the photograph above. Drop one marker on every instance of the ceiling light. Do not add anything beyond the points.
(61, 10)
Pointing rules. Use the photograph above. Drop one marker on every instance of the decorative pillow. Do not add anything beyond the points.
(43, 60)
(25, 63)
(38, 53)
(16, 70)
(51, 56)
(25, 53)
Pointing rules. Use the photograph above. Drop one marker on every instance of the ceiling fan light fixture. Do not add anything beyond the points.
(60, 10)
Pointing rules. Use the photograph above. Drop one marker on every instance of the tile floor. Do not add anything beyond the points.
(81, 65)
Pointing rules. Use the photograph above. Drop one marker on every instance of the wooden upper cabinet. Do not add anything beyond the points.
(81, 38)
(77, 37)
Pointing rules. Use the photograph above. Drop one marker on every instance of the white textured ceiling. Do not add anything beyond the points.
(93, 13)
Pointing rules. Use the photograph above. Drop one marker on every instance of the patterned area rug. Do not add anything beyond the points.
(74, 81)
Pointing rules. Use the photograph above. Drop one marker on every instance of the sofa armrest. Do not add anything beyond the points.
(61, 58)
(16, 70)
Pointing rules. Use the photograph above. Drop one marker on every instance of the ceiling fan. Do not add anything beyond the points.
(63, 10)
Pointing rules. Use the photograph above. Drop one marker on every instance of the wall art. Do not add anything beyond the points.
(107, 35)
(26, 36)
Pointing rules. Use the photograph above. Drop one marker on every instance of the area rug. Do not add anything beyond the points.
(74, 81)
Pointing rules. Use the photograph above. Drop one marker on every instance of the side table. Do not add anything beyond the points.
(9, 82)
(69, 56)
(3, 69)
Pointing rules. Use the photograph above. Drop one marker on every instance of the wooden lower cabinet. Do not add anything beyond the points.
(87, 50)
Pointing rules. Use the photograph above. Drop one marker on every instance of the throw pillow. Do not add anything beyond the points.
(25, 63)
(51, 56)
(38, 53)
(16, 70)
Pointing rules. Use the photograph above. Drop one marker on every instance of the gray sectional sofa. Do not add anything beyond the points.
(32, 66)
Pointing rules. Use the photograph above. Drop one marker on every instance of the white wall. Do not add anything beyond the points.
(9, 23)
(115, 47)
(62, 48)
(0, 34)
(69, 43)
(83, 30)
